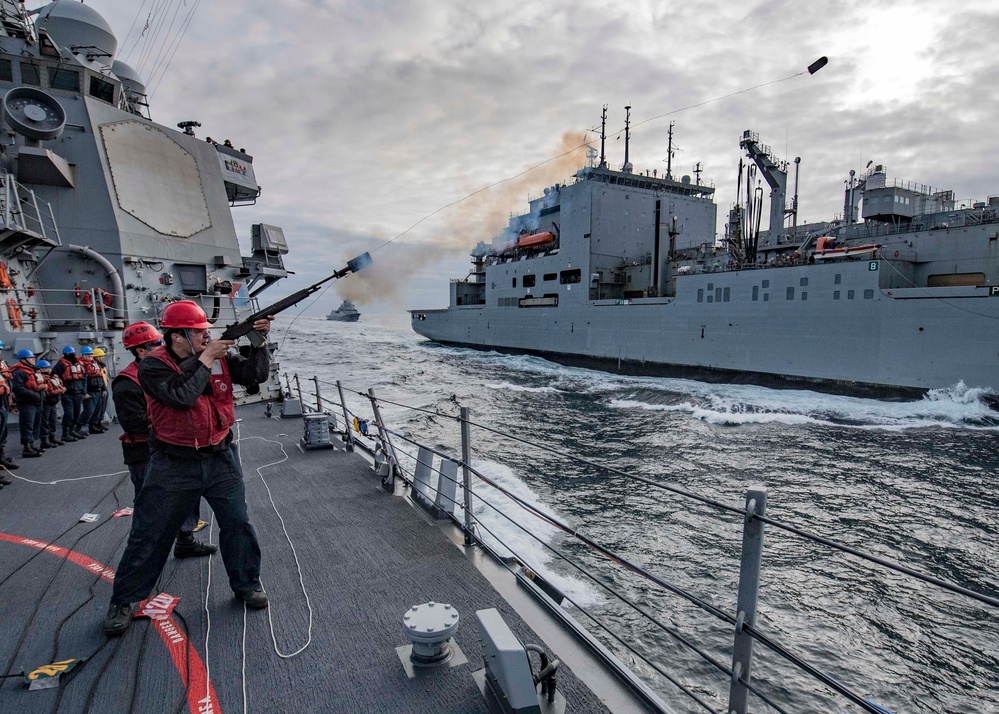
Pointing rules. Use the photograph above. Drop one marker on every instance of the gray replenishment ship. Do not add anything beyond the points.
(621, 271)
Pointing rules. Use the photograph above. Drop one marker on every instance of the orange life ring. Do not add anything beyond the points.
(14, 313)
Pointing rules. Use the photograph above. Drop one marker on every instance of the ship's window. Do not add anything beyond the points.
(550, 276)
(790, 293)
(64, 79)
(839, 278)
(514, 284)
(804, 295)
(756, 293)
(700, 295)
(711, 298)
(101, 90)
(849, 294)
(727, 294)
(803, 282)
(836, 294)
(530, 280)
(30, 74)
(766, 284)
(629, 280)
(868, 295)
(766, 297)
(718, 294)
(568, 277)
(711, 286)
(6, 70)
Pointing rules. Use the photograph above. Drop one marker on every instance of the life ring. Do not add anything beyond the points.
(14, 313)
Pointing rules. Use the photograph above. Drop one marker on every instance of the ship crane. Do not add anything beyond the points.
(774, 173)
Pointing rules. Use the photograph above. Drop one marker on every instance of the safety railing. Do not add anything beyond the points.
(455, 488)
(22, 211)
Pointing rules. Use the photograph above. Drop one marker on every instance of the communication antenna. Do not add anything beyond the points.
(603, 137)
(627, 137)
(697, 172)
(669, 155)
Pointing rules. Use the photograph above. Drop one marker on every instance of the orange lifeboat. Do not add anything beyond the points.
(535, 239)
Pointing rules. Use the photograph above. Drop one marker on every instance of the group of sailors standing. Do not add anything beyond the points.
(35, 389)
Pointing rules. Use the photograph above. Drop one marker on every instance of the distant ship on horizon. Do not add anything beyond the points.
(345, 313)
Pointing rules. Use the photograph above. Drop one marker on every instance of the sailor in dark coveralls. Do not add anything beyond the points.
(188, 385)
(140, 339)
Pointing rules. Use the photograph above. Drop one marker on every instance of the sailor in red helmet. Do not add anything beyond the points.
(141, 339)
(188, 384)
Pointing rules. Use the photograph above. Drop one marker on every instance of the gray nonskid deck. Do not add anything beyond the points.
(366, 557)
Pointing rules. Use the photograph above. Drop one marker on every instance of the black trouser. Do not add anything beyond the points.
(29, 422)
(137, 473)
(170, 491)
(72, 407)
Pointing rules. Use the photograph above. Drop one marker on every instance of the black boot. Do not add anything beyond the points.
(29, 453)
(55, 442)
(191, 548)
(118, 619)
(68, 437)
(6, 462)
(42, 445)
(78, 433)
(5, 480)
(50, 442)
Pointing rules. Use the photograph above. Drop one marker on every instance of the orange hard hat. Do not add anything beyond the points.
(138, 334)
(185, 314)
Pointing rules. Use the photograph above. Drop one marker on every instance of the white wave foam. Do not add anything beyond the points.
(521, 388)
(509, 539)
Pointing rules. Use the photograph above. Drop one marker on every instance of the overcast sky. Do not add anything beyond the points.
(365, 117)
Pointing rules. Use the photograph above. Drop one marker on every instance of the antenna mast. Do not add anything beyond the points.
(627, 137)
(603, 137)
(669, 155)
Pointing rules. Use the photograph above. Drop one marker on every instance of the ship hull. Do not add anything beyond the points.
(800, 331)
(344, 318)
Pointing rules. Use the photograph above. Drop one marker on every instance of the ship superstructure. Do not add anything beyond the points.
(622, 270)
(106, 216)
(346, 312)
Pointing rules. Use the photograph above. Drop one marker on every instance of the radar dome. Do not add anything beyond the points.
(77, 26)
(130, 79)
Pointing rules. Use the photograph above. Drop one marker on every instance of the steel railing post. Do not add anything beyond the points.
(466, 479)
(298, 388)
(348, 437)
(749, 585)
(319, 397)
(391, 462)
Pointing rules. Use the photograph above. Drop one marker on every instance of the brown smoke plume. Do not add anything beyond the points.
(478, 218)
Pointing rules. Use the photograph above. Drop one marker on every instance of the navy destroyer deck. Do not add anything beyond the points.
(366, 556)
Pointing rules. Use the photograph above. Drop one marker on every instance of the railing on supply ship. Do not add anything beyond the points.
(23, 214)
(449, 491)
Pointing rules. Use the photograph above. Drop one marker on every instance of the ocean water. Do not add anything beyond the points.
(913, 482)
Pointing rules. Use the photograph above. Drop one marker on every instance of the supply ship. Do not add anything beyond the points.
(622, 271)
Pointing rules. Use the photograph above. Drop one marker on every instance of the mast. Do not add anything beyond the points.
(669, 154)
(627, 137)
(603, 137)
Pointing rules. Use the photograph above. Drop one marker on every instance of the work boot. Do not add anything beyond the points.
(193, 549)
(55, 442)
(68, 437)
(118, 619)
(50, 442)
(78, 433)
(42, 445)
(254, 599)
(5, 480)
(29, 453)
(6, 462)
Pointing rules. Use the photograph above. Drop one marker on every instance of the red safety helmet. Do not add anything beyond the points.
(138, 334)
(185, 314)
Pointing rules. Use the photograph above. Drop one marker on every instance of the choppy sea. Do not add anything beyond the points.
(913, 482)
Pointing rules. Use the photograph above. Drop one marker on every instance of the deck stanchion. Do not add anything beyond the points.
(347, 436)
(749, 585)
(298, 387)
(319, 397)
(466, 480)
(391, 463)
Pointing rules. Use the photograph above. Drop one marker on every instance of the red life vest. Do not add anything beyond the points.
(132, 372)
(92, 369)
(73, 370)
(35, 379)
(207, 423)
(53, 385)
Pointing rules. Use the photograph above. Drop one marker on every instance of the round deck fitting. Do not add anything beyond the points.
(430, 627)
